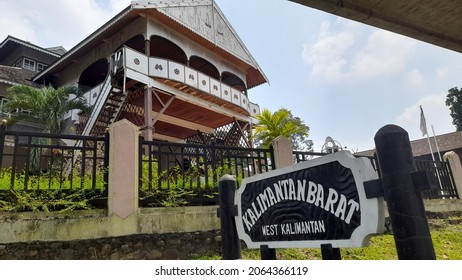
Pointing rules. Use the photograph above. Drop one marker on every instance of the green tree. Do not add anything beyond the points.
(454, 102)
(46, 105)
(282, 123)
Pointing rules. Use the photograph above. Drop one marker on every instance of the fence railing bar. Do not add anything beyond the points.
(49, 159)
(196, 167)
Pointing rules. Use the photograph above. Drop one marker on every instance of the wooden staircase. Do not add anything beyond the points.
(106, 109)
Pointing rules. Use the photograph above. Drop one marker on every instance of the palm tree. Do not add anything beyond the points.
(46, 106)
(281, 123)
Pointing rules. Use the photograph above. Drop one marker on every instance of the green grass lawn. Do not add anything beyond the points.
(446, 236)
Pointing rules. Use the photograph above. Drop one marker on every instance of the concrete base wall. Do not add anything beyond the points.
(81, 225)
(443, 205)
(78, 225)
(92, 224)
(438, 206)
(151, 233)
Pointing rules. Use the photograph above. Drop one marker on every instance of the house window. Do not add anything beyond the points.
(41, 67)
(29, 64)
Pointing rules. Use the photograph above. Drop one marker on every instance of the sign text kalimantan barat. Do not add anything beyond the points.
(308, 191)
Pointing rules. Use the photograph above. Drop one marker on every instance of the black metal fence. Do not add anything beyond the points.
(43, 161)
(172, 174)
(300, 156)
(442, 176)
(439, 170)
(440, 173)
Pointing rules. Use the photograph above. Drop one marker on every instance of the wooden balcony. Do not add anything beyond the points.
(140, 67)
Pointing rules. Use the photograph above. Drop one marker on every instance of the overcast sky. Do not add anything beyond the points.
(344, 79)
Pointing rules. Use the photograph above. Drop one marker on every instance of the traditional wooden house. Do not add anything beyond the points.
(176, 69)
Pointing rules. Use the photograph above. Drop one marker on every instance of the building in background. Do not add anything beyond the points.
(178, 70)
(449, 142)
(20, 61)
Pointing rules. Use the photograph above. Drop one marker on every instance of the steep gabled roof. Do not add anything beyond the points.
(10, 43)
(201, 17)
(204, 18)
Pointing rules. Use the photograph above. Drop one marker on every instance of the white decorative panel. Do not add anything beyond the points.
(158, 67)
(136, 61)
(191, 77)
(254, 109)
(215, 87)
(236, 97)
(204, 83)
(244, 102)
(176, 71)
(226, 92)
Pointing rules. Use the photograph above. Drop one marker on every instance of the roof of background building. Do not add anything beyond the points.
(57, 50)
(14, 75)
(446, 142)
(10, 43)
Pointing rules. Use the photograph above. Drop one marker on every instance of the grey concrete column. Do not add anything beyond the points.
(456, 168)
(123, 169)
(282, 152)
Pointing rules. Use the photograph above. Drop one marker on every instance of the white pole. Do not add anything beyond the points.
(436, 143)
(430, 146)
(423, 128)
(431, 150)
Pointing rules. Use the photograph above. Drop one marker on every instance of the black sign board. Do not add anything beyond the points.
(316, 202)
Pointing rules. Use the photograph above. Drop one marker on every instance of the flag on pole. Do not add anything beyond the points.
(423, 123)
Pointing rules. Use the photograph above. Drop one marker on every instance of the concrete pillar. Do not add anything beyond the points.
(456, 168)
(282, 147)
(282, 152)
(123, 170)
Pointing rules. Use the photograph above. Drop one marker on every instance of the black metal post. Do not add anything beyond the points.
(330, 253)
(405, 204)
(267, 253)
(230, 243)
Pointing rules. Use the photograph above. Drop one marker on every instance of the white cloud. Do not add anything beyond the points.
(12, 23)
(327, 54)
(385, 53)
(442, 73)
(53, 22)
(414, 77)
(436, 113)
(343, 52)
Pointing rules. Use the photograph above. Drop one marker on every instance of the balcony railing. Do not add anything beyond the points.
(166, 69)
